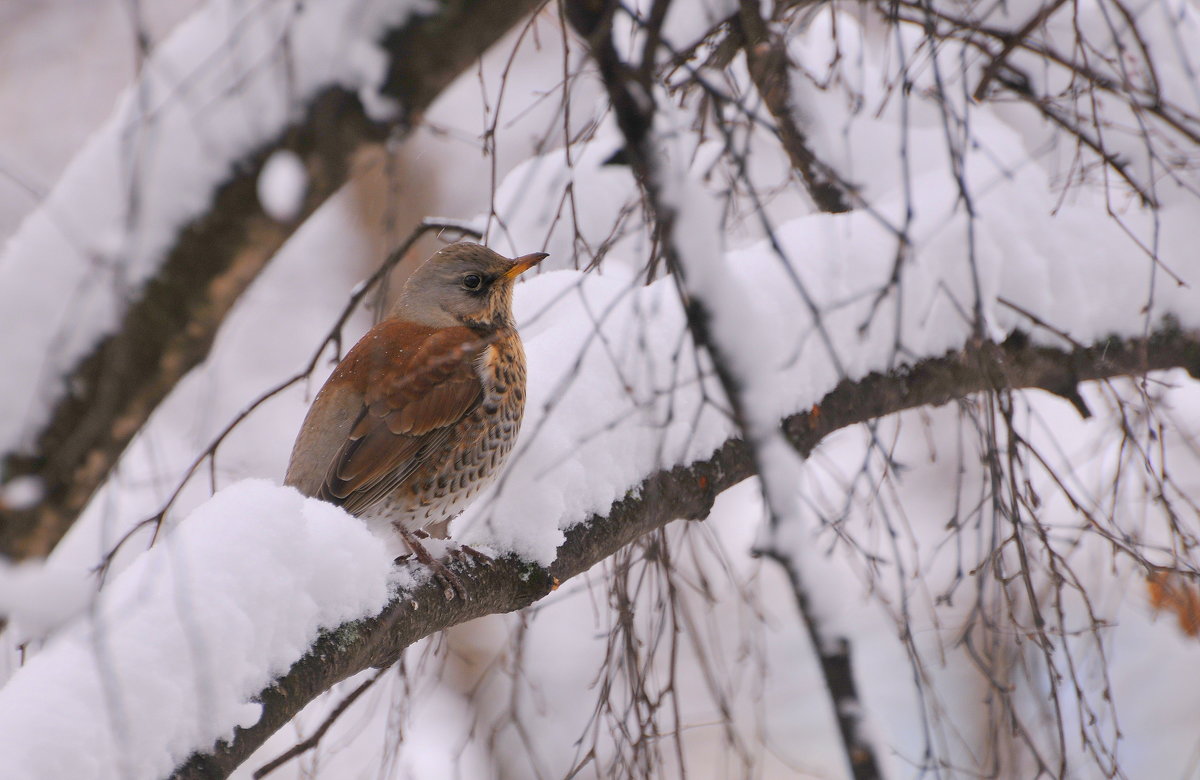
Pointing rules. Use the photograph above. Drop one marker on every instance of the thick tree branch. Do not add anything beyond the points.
(684, 492)
(169, 325)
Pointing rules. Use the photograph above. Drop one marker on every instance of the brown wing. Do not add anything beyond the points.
(413, 398)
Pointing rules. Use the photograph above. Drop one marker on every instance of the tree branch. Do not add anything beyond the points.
(767, 58)
(838, 673)
(168, 326)
(768, 63)
(683, 492)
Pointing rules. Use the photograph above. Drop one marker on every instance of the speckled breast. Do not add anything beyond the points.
(473, 456)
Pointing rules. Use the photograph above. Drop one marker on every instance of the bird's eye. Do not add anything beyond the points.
(472, 281)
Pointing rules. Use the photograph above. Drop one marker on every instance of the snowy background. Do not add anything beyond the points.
(894, 525)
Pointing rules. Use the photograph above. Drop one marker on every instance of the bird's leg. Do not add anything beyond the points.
(450, 581)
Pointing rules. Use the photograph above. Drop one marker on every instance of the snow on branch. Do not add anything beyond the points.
(728, 313)
(722, 313)
(1023, 289)
(682, 492)
(168, 658)
(115, 287)
(603, 379)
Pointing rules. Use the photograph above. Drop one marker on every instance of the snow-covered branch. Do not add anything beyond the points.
(723, 329)
(169, 656)
(237, 129)
(721, 312)
(683, 492)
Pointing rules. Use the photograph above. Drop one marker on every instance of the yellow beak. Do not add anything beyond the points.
(524, 263)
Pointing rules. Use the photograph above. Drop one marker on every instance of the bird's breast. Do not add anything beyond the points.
(502, 369)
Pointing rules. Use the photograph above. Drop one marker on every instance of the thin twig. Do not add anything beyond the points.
(303, 747)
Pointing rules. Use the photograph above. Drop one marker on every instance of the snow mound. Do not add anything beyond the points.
(173, 650)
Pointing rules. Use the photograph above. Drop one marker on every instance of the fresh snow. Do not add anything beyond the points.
(608, 366)
(614, 391)
(219, 88)
(746, 340)
(170, 655)
(282, 184)
(608, 354)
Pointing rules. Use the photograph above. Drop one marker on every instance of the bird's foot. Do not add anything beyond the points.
(472, 557)
(451, 583)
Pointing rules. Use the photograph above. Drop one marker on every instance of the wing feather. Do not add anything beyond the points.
(412, 402)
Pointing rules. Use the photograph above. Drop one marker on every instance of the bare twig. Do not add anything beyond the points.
(303, 747)
(766, 54)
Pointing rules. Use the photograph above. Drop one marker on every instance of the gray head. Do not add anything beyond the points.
(463, 284)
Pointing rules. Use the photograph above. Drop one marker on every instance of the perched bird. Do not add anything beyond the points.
(419, 416)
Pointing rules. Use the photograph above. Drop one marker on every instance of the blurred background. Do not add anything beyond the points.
(682, 656)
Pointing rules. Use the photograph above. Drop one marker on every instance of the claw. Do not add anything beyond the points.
(451, 583)
(475, 557)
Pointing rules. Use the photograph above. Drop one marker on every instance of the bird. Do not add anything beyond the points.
(420, 415)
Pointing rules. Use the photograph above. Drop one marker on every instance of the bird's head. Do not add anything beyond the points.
(463, 284)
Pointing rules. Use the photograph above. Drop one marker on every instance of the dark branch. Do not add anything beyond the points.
(838, 674)
(169, 325)
(767, 57)
(682, 492)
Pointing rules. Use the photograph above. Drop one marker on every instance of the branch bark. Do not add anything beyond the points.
(169, 325)
(684, 492)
